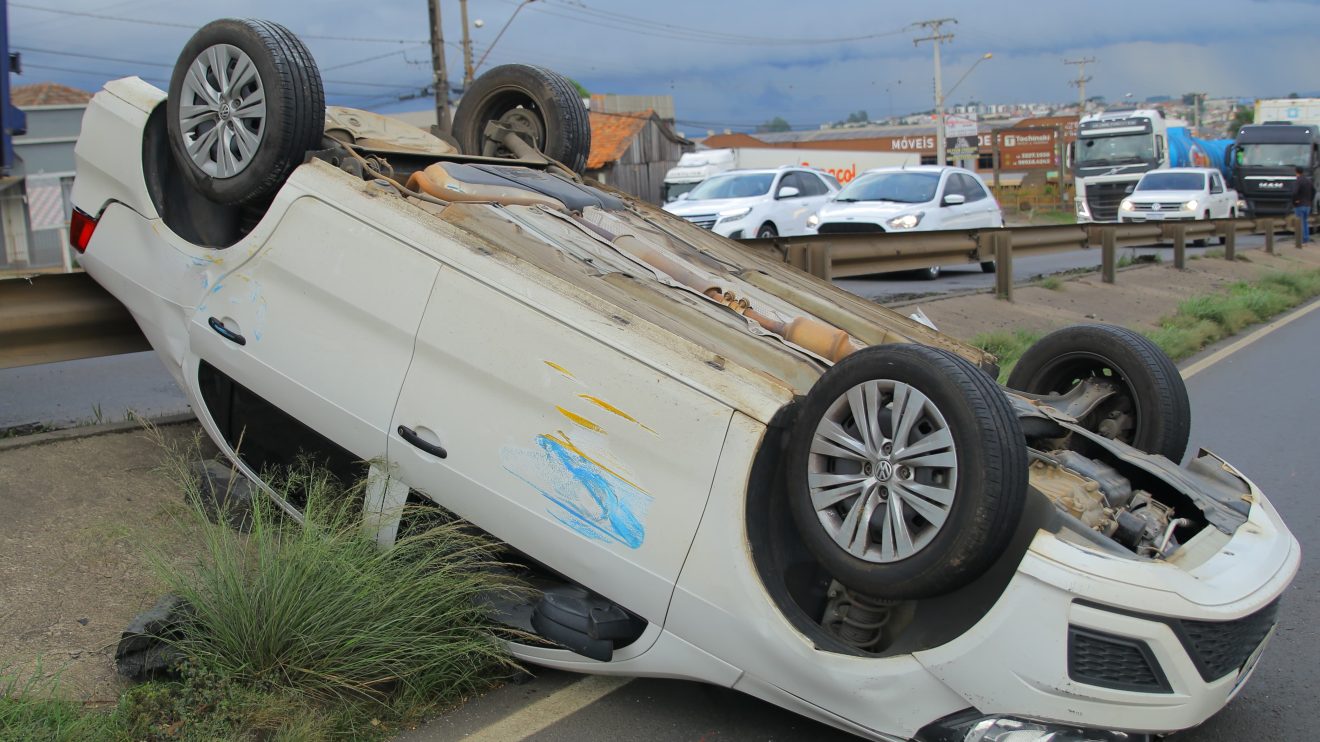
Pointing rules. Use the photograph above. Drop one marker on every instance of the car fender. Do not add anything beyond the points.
(107, 170)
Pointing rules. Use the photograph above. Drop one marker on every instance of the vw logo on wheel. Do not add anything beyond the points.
(884, 470)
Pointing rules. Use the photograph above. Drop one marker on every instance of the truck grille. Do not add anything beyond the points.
(1273, 205)
(1096, 658)
(1102, 199)
(1162, 206)
(705, 221)
(1220, 647)
(849, 228)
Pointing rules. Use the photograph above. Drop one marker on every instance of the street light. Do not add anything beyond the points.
(941, 157)
(503, 28)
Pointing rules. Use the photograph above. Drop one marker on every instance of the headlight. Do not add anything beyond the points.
(735, 213)
(907, 221)
(813, 220)
(1126, 205)
(1190, 205)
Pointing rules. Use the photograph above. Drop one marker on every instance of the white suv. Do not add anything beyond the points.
(743, 204)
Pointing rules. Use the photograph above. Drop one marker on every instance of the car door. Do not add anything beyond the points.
(319, 323)
(519, 417)
(791, 212)
(953, 216)
(983, 211)
(1221, 207)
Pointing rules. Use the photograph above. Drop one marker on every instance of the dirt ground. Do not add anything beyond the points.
(1138, 299)
(73, 553)
(73, 547)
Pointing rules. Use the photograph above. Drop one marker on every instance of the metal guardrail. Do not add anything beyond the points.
(64, 317)
(845, 255)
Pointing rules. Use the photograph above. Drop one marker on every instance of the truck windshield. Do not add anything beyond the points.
(1115, 150)
(1172, 182)
(1275, 155)
(733, 186)
(674, 190)
(904, 188)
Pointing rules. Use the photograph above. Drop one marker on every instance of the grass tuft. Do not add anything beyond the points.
(1006, 345)
(1053, 283)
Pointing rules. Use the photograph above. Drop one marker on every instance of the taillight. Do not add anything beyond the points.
(81, 226)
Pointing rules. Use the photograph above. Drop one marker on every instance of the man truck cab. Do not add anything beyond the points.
(1265, 158)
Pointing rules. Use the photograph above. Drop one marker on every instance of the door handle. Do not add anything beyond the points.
(410, 435)
(225, 332)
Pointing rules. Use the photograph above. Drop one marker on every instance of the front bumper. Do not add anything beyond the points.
(1140, 217)
(1023, 659)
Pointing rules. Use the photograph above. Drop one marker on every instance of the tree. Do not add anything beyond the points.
(859, 117)
(775, 124)
(1241, 117)
(1293, 96)
(582, 92)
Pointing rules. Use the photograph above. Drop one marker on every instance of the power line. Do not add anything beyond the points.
(192, 26)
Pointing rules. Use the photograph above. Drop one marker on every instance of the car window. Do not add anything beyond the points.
(733, 186)
(1171, 182)
(792, 179)
(897, 186)
(971, 187)
(831, 181)
(812, 185)
(1216, 185)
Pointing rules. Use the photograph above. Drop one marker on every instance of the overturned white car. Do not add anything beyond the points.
(715, 467)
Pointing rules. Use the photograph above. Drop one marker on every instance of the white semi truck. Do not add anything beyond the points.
(844, 165)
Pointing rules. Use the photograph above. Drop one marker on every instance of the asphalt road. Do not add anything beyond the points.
(1256, 407)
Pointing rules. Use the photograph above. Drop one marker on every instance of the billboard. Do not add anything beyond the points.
(1028, 149)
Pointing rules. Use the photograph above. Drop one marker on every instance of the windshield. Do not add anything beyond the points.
(1172, 182)
(1275, 155)
(733, 186)
(1120, 149)
(674, 190)
(903, 188)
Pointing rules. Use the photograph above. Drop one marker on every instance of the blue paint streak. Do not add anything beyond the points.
(589, 500)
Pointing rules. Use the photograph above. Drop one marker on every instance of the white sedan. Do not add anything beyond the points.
(910, 199)
(747, 204)
(720, 468)
(1179, 194)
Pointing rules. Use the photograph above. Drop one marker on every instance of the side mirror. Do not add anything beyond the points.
(954, 199)
(787, 192)
(682, 196)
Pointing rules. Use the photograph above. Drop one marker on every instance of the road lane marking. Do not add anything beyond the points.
(558, 705)
(1223, 353)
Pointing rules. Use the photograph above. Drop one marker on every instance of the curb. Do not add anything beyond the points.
(91, 431)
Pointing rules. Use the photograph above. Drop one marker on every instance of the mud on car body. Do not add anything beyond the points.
(714, 466)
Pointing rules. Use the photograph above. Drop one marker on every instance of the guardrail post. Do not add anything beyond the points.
(1268, 226)
(1179, 246)
(1297, 233)
(1004, 265)
(1230, 242)
(1108, 254)
(820, 261)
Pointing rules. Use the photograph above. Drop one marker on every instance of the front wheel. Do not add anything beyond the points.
(1148, 408)
(907, 471)
(767, 231)
(928, 274)
(539, 106)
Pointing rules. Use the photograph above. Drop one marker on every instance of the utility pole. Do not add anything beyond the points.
(935, 38)
(1080, 82)
(440, 78)
(467, 47)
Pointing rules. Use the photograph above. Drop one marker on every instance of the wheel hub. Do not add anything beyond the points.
(222, 111)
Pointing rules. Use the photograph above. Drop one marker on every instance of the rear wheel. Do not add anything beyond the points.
(766, 231)
(245, 105)
(907, 471)
(540, 106)
(1149, 408)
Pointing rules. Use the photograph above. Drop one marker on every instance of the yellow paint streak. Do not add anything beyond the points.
(611, 408)
(560, 369)
(580, 420)
(563, 440)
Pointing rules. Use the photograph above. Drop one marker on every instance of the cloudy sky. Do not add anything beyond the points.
(728, 63)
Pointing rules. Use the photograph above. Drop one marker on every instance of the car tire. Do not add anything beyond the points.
(1151, 412)
(542, 106)
(766, 232)
(987, 266)
(928, 274)
(245, 105)
(966, 475)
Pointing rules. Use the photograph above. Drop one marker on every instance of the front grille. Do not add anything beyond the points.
(1270, 206)
(849, 228)
(1220, 647)
(1102, 199)
(1162, 206)
(1108, 661)
(705, 221)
